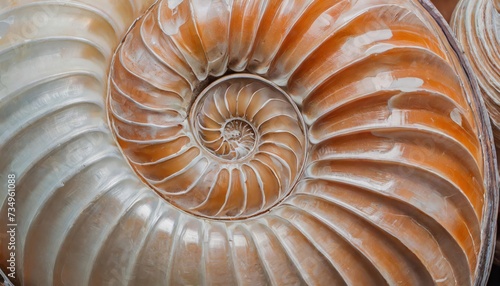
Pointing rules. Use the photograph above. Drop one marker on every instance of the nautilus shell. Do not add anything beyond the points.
(477, 25)
(320, 142)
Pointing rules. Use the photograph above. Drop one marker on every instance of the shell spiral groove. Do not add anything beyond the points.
(320, 142)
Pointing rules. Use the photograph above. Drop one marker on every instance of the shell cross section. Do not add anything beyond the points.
(238, 151)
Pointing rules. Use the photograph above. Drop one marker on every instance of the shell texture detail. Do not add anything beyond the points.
(477, 26)
(230, 142)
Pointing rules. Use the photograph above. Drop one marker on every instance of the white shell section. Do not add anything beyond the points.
(370, 155)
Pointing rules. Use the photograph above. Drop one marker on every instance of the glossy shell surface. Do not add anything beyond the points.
(328, 142)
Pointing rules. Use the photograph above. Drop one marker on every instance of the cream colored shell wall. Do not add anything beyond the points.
(392, 170)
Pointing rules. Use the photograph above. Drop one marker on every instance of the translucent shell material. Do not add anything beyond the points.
(319, 142)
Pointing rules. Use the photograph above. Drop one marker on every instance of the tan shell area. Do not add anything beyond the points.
(305, 142)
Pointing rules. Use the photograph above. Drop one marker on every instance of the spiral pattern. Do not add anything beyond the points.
(238, 154)
(318, 142)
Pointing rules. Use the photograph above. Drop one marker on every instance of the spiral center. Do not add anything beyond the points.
(228, 113)
(238, 140)
(240, 134)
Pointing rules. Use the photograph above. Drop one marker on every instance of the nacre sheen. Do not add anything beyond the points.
(318, 142)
